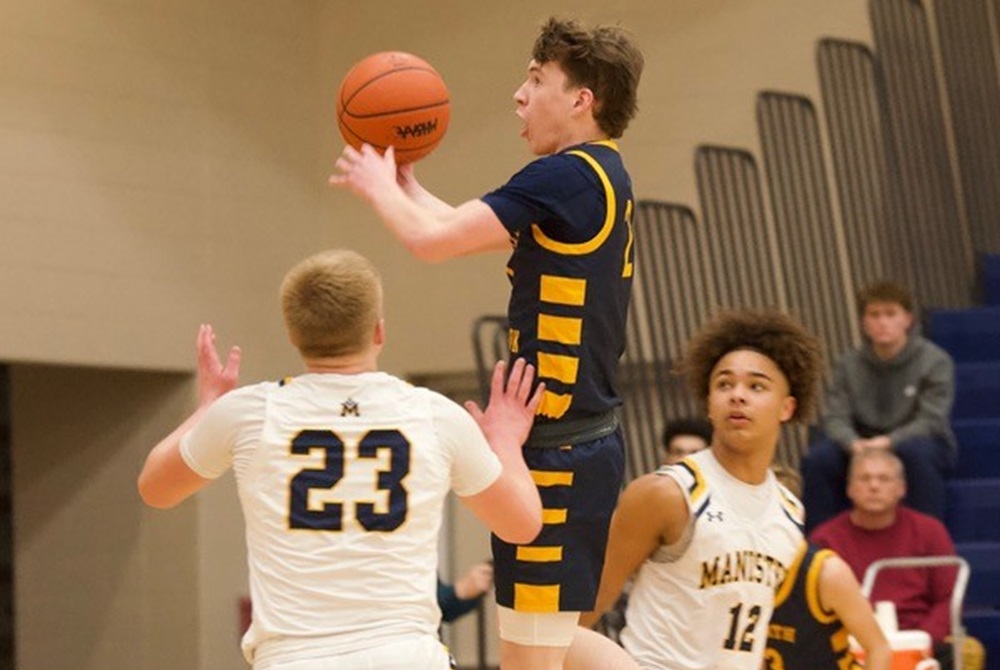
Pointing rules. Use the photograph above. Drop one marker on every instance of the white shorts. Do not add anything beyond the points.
(537, 630)
(424, 652)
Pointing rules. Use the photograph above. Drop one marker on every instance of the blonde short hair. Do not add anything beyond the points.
(331, 302)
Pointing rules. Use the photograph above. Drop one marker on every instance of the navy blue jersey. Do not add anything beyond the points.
(570, 219)
(803, 635)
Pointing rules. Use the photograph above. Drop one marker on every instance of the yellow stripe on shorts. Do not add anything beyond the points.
(552, 517)
(539, 554)
(552, 478)
(536, 599)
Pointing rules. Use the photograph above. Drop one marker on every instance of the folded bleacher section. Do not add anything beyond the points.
(972, 337)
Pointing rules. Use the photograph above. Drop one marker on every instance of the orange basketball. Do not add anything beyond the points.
(394, 99)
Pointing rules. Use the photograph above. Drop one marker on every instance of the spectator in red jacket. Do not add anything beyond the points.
(877, 527)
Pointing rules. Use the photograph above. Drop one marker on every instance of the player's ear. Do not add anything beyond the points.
(788, 409)
(584, 99)
(379, 337)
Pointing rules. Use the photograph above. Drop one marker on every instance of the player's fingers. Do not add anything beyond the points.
(514, 376)
(473, 409)
(499, 377)
(206, 346)
(525, 382)
(536, 399)
(233, 362)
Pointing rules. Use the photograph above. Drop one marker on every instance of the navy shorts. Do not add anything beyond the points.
(561, 570)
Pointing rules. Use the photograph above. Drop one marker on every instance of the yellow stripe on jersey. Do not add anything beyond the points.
(786, 586)
(561, 329)
(553, 517)
(535, 598)
(700, 486)
(513, 340)
(580, 248)
(812, 589)
(794, 509)
(554, 405)
(539, 554)
(629, 267)
(552, 478)
(562, 290)
(558, 367)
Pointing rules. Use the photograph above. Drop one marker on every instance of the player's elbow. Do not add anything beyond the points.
(523, 533)
(425, 248)
(523, 527)
(152, 495)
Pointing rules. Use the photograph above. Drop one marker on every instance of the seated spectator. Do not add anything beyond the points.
(818, 605)
(683, 437)
(460, 598)
(877, 527)
(894, 393)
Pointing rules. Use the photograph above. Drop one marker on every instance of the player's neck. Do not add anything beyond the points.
(749, 466)
(582, 134)
(342, 365)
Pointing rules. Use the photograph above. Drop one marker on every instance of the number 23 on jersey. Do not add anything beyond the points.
(330, 516)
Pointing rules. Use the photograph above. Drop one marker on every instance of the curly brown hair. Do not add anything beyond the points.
(774, 334)
(603, 59)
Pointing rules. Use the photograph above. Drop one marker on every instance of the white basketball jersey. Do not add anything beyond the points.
(705, 601)
(342, 480)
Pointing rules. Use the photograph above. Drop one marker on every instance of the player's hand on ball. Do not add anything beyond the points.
(366, 171)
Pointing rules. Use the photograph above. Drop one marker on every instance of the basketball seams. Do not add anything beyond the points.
(369, 82)
(348, 113)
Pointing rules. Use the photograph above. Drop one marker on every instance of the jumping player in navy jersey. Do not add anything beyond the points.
(568, 217)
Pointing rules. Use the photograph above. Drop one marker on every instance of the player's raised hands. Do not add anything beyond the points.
(508, 416)
(214, 378)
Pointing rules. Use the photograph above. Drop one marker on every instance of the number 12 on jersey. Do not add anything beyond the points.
(331, 516)
(741, 630)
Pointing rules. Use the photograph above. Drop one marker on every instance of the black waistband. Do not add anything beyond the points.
(575, 431)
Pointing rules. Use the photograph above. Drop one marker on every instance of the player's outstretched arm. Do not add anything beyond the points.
(166, 479)
(839, 591)
(431, 230)
(651, 511)
(511, 506)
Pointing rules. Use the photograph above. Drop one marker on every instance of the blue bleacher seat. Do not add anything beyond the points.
(978, 448)
(977, 391)
(969, 335)
(984, 573)
(991, 279)
(973, 511)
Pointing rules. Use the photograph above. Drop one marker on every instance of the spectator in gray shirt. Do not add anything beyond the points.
(894, 392)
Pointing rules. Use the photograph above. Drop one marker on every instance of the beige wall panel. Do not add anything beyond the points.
(157, 162)
(99, 581)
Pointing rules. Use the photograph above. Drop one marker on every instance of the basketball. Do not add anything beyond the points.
(394, 99)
